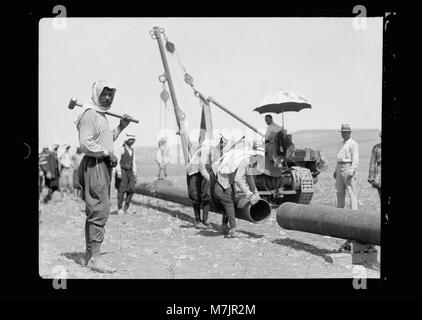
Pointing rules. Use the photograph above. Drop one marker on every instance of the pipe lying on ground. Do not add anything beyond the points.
(257, 213)
(364, 227)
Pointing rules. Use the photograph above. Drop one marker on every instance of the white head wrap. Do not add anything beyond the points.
(233, 158)
(94, 103)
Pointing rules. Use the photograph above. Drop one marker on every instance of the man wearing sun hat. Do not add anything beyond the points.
(345, 172)
(126, 173)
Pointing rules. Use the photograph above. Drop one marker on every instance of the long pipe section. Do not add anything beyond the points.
(364, 227)
(257, 213)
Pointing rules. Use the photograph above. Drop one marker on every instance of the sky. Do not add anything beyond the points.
(237, 61)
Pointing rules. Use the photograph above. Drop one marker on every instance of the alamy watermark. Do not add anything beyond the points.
(59, 21)
(360, 21)
(359, 277)
(59, 274)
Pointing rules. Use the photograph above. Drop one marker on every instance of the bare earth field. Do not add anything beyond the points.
(157, 240)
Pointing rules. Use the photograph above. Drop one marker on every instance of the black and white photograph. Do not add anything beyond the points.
(210, 147)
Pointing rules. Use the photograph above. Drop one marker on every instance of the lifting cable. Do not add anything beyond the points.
(164, 97)
(179, 86)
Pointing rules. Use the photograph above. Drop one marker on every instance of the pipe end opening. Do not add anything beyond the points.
(260, 211)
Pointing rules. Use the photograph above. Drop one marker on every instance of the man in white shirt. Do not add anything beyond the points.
(236, 168)
(162, 158)
(126, 173)
(66, 174)
(201, 175)
(345, 173)
(96, 140)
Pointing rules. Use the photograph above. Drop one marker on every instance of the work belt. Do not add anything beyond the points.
(106, 160)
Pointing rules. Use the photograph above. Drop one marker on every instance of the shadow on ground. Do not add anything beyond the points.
(78, 257)
(210, 233)
(302, 246)
(185, 217)
(174, 213)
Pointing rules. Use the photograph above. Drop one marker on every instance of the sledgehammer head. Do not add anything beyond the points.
(73, 103)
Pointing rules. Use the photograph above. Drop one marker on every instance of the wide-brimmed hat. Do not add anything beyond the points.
(345, 127)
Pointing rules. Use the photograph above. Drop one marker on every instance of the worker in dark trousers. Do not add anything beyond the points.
(201, 177)
(236, 168)
(76, 160)
(96, 141)
(51, 168)
(42, 163)
(374, 177)
(126, 173)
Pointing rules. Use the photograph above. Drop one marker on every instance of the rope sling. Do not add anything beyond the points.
(164, 96)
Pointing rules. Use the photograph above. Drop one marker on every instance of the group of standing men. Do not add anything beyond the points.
(58, 173)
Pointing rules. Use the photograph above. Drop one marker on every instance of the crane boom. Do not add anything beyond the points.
(180, 115)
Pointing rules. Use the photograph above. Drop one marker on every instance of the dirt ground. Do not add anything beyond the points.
(157, 240)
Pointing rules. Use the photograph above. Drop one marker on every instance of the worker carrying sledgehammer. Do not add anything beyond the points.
(96, 141)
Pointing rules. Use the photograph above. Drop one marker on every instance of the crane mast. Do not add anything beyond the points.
(180, 115)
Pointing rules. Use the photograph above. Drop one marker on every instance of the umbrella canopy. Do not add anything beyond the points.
(282, 101)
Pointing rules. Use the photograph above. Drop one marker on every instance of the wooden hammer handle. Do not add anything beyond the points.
(119, 116)
(113, 114)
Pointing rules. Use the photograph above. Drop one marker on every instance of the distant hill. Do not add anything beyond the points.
(325, 140)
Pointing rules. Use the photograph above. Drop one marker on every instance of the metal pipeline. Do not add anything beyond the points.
(258, 213)
(364, 227)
